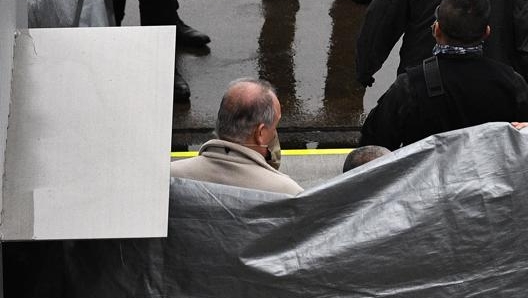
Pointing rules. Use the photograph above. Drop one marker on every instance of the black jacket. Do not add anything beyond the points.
(387, 20)
(477, 90)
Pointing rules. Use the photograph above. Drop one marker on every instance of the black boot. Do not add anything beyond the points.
(188, 36)
(182, 93)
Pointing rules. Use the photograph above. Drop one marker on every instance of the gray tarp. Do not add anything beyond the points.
(444, 217)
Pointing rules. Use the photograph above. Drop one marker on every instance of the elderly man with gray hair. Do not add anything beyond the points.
(247, 151)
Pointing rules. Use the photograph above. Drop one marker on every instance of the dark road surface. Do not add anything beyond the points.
(306, 49)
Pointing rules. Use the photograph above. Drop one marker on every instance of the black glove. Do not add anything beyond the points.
(366, 82)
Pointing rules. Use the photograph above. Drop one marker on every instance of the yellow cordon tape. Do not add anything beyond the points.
(184, 154)
(315, 151)
(290, 152)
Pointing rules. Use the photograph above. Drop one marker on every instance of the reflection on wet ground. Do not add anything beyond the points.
(276, 51)
(342, 91)
(306, 49)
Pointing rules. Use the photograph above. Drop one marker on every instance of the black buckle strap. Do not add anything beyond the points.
(433, 80)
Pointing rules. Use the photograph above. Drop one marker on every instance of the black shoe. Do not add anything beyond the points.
(188, 36)
(182, 93)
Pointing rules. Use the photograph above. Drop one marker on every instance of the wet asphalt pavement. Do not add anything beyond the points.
(305, 48)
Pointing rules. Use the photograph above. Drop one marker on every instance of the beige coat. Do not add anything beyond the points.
(232, 164)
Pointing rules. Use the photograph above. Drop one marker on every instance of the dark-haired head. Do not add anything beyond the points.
(464, 22)
(362, 155)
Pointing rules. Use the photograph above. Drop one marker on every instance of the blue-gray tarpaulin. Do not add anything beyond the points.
(444, 217)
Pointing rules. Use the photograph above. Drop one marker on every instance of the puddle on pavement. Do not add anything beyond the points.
(306, 49)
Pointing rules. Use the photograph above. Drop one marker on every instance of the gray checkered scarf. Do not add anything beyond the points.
(456, 50)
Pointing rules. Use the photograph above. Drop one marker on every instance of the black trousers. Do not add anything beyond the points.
(152, 12)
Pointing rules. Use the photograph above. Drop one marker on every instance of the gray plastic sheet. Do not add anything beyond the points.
(444, 217)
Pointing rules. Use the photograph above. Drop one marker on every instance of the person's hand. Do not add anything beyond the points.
(519, 125)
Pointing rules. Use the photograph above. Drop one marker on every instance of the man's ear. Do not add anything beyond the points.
(437, 32)
(259, 134)
(487, 32)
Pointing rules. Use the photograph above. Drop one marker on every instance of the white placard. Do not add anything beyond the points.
(88, 145)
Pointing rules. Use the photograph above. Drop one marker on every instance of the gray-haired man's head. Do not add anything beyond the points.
(247, 103)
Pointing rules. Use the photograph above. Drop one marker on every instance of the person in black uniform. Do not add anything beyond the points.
(165, 12)
(455, 88)
(387, 20)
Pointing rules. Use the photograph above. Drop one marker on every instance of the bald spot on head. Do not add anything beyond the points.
(241, 94)
(246, 103)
